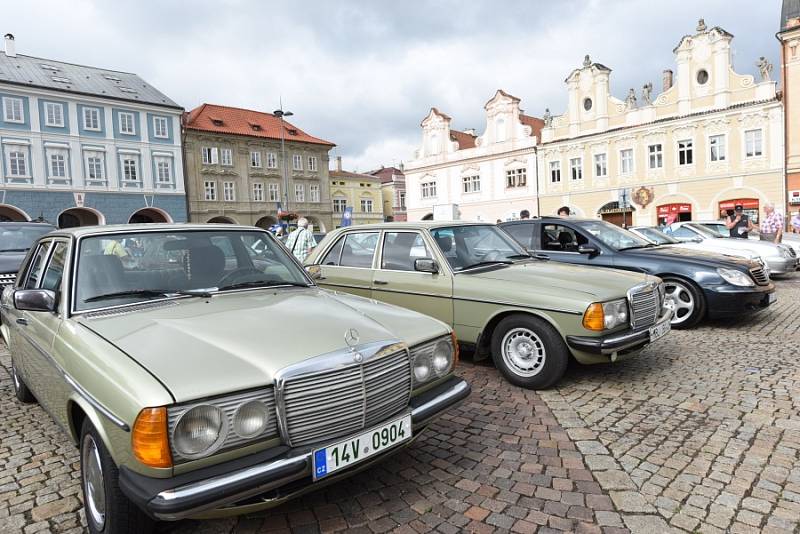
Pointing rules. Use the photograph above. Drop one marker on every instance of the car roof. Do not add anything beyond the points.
(81, 231)
(551, 218)
(418, 225)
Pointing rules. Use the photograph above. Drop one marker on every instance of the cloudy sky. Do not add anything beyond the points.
(364, 74)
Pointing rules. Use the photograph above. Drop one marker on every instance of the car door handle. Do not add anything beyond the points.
(380, 282)
(22, 321)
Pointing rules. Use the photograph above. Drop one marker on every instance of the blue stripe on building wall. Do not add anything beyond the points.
(117, 208)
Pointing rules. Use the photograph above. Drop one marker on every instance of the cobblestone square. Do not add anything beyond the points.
(700, 433)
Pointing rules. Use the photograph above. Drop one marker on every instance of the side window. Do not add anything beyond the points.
(558, 238)
(683, 232)
(37, 266)
(55, 268)
(522, 234)
(359, 249)
(332, 257)
(400, 249)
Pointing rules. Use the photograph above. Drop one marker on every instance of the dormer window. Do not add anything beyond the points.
(255, 127)
(216, 122)
(49, 67)
(112, 78)
(127, 90)
(60, 79)
(292, 131)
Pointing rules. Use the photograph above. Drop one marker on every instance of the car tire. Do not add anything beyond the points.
(107, 509)
(21, 390)
(529, 352)
(690, 306)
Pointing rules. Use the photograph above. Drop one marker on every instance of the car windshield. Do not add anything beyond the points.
(20, 238)
(715, 228)
(115, 269)
(656, 236)
(469, 246)
(704, 231)
(613, 236)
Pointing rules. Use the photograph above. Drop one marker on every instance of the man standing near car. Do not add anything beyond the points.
(301, 241)
(796, 222)
(772, 225)
(739, 223)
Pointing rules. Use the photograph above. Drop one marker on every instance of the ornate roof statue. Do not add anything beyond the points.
(765, 67)
(647, 89)
(587, 62)
(701, 25)
(630, 101)
(547, 117)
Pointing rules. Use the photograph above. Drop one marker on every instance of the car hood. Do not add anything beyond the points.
(200, 347)
(703, 258)
(10, 262)
(548, 283)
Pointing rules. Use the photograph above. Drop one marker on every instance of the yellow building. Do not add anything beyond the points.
(711, 139)
(362, 192)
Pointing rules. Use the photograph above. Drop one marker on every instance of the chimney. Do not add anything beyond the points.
(11, 50)
(339, 163)
(402, 167)
(667, 80)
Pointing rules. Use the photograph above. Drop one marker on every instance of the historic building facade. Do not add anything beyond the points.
(393, 191)
(361, 192)
(237, 172)
(84, 145)
(459, 174)
(711, 139)
(789, 36)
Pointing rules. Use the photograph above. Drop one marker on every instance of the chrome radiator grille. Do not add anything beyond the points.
(7, 279)
(760, 276)
(645, 308)
(342, 400)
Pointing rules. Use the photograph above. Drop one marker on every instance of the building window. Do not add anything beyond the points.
(258, 192)
(655, 156)
(299, 193)
(600, 167)
(210, 190)
(717, 145)
(227, 157)
(555, 172)
(126, 123)
(163, 170)
(17, 163)
(274, 192)
(272, 160)
(753, 143)
(576, 168)
(12, 110)
(402, 196)
(297, 162)
(210, 155)
(160, 127)
(428, 189)
(471, 184)
(312, 163)
(130, 169)
(313, 191)
(91, 119)
(339, 205)
(228, 191)
(366, 205)
(53, 114)
(516, 177)
(255, 159)
(626, 161)
(685, 149)
(95, 167)
(58, 166)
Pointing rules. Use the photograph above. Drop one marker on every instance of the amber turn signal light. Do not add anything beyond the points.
(456, 351)
(594, 317)
(150, 439)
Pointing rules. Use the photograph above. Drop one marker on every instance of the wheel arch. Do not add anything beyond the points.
(483, 344)
(78, 411)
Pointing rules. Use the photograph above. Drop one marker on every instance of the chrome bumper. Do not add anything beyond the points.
(618, 342)
(208, 492)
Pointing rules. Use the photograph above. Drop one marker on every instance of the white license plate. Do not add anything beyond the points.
(659, 330)
(772, 297)
(358, 448)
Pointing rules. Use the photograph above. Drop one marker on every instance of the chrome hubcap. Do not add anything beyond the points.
(93, 487)
(682, 299)
(523, 352)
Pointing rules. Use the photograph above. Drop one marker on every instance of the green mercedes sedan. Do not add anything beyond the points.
(530, 315)
(202, 373)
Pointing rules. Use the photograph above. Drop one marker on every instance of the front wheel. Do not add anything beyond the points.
(688, 301)
(529, 352)
(108, 510)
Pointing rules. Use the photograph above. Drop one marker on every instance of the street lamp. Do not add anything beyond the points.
(280, 114)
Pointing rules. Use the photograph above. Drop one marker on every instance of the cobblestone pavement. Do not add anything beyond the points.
(700, 434)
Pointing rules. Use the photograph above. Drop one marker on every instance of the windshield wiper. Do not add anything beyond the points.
(15, 250)
(649, 245)
(262, 283)
(519, 256)
(482, 263)
(150, 293)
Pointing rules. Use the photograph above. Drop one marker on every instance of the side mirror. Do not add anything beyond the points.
(426, 265)
(39, 300)
(697, 240)
(588, 249)
(315, 272)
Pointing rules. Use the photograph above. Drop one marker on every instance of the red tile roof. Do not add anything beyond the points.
(386, 173)
(348, 174)
(463, 139)
(535, 123)
(238, 121)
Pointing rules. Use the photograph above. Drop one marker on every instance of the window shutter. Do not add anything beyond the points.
(214, 155)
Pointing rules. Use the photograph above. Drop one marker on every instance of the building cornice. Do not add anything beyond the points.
(474, 159)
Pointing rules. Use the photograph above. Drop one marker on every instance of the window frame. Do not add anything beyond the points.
(124, 159)
(312, 163)
(382, 255)
(272, 187)
(272, 160)
(297, 162)
(718, 141)
(471, 184)
(576, 176)
(685, 152)
(258, 192)
(161, 161)
(337, 202)
(93, 113)
(132, 116)
(210, 190)
(255, 159)
(630, 160)
(302, 189)
(12, 100)
(160, 119)
(59, 114)
(228, 191)
(555, 172)
(598, 163)
(430, 187)
(656, 156)
(226, 162)
(22, 157)
(760, 143)
(314, 193)
(367, 203)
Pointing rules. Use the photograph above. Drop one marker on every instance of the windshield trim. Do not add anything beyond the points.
(76, 244)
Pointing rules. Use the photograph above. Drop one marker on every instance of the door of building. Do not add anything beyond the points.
(670, 213)
(750, 206)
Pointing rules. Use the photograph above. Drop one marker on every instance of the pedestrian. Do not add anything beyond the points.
(498, 221)
(563, 211)
(301, 241)
(739, 223)
(524, 214)
(772, 224)
(796, 222)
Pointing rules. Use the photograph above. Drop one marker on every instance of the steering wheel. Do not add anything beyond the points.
(493, 256)
(238, 273)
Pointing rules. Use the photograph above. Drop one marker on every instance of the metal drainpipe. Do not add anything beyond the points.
(183, 160)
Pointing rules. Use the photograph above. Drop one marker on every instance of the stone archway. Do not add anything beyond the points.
(9, 213)
(72, 217)
(266, 222)
(149, 215)
(221, 219)
(611, 212)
